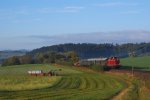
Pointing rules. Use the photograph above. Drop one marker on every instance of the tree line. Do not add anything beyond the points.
(88, 50)
(70, 53)
(68, 58)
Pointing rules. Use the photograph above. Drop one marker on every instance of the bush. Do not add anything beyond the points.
(67, 63)
(97, 67)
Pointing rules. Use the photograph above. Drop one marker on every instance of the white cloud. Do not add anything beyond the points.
(75, 7)
(22, 12)
(115, 4)
(131, 12)
(17, 21)
(99, 37)
(71, 9)
(35, 41)
(46, 10)
(67, 9)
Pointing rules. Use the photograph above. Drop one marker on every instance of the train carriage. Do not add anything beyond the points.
(111, 62)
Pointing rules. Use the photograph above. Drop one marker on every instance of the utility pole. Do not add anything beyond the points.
(132, 54)
(132, 70)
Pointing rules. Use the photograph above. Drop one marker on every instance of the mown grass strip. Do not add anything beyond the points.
(72, 86)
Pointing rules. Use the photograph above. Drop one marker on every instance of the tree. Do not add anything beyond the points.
(26, 59)
(73, 56)
(38, 58)
(11, 61)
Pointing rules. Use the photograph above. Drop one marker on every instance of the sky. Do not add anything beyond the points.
(30, 24)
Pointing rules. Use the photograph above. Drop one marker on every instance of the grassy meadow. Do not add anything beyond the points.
(139, 88)
(15, 82)
(73, 84)
(142, 63)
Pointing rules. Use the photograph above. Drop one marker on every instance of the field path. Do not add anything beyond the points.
(142, 75)
(122, 92)
(120, 95)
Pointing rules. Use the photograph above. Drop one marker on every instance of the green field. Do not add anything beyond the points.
(142, 63)
(72, 84)
(139, 88)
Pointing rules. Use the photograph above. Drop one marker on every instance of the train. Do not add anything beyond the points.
(111, 62)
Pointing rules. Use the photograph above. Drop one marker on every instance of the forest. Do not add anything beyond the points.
(71, 53)
(88, 50)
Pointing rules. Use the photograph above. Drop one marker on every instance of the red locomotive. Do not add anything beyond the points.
(111, 62)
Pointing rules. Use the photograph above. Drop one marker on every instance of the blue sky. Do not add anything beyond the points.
(29, 24)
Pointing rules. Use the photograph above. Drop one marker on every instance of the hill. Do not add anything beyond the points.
(10, 53)
(86, 50)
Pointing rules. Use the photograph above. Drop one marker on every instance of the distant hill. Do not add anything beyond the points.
(9, 53)
(88, 50)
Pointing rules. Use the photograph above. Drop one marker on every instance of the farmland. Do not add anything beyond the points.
(72, 84)
(15, 82)
(139, 86)
(142, 63)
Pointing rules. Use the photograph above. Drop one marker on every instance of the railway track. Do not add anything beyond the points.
(137, 73)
